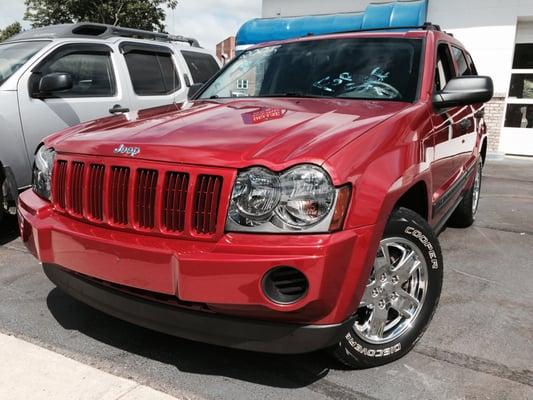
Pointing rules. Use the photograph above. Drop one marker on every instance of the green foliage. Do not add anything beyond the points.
(139, 14)
(9, 31)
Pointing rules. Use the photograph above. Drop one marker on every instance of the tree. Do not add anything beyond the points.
(9, 31)
(139, 14)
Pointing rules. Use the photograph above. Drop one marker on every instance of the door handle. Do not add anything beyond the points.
(117, 108)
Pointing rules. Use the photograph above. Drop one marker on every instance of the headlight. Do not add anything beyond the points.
(42, 172)
(256, 195)
(308, 196)
(300, 199)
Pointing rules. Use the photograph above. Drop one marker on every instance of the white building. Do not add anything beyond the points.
(499, 35)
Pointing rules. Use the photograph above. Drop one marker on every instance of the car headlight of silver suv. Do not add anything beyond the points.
(42, 172)
(299, 199)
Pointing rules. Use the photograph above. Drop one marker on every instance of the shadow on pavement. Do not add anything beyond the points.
(8, 229)
(291, 371)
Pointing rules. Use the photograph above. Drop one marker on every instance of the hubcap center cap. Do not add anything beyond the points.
(385, 290)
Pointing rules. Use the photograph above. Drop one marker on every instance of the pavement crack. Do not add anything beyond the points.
(508, 230)
(522, 376)
(492, 243)
(476, 277)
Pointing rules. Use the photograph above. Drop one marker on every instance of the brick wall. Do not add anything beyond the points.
(227, 47)
(494, 114)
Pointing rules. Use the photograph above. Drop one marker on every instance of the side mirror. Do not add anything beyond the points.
(55, 82)
(194, 89)
(463, 91)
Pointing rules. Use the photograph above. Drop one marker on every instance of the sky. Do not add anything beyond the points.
(209, 21)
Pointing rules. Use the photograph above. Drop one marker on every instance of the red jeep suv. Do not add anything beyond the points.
(292, 205)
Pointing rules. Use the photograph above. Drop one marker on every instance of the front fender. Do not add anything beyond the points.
(13, 153)
(382, 166)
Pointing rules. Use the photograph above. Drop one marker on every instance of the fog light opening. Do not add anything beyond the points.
(285, 285)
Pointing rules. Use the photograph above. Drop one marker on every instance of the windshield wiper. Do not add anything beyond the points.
(294, 94)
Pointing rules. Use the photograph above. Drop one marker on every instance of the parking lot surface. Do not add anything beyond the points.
(479, 345)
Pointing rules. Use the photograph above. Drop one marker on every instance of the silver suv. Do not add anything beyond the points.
(59, 76)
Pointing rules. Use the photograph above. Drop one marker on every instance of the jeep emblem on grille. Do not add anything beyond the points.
(130, 151)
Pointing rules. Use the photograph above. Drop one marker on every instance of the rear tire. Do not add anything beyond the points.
(465, 213)
(401, 296)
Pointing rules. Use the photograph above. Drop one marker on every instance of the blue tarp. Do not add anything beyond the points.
(376, 16)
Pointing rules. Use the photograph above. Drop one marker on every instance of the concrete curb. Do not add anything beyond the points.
(28, 371)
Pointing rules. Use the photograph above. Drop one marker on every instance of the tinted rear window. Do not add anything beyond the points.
(202, 66)
(152, 73)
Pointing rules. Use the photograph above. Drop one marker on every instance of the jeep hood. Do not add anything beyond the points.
(231, 133)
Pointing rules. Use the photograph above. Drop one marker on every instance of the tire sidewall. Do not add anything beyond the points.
(415, 230)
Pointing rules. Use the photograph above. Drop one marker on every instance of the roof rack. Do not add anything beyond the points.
(427, 26)
(138, 33)
(102, 31)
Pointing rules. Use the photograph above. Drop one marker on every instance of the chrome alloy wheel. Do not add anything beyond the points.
(476, 191)
(395, 292)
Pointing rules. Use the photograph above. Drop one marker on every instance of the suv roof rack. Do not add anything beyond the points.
(427, 26)
(101, 31)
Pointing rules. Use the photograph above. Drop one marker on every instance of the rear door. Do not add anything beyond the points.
(467, 118)
(154, 75)
(96, 89)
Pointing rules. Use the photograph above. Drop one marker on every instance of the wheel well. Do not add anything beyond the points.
(415, 199)
(483, 151)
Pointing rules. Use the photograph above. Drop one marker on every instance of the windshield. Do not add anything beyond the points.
(364, 68)
(14, 55)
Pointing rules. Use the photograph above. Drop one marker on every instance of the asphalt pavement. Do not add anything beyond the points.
(479, 345)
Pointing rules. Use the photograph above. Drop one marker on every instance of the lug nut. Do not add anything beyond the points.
(395, 279)
(382, 304)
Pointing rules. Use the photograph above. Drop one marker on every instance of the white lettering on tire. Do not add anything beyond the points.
(388, 351)
(426, 243)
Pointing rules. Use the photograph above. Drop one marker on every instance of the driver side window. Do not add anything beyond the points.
(444, 69)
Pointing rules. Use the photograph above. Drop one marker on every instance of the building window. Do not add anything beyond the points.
(523, 56)
(242, 84)
(521, 86)
(519, 116)
(519, 113)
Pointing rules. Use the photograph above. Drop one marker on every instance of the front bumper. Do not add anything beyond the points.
(216, 329)
(223, 278)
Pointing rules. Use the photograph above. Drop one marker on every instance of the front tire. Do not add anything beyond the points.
(401, 296)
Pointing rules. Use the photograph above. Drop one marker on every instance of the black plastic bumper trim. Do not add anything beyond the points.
(222, 330)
